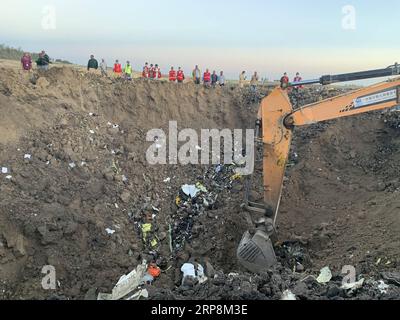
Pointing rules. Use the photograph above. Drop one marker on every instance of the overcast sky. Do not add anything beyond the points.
(313, 37)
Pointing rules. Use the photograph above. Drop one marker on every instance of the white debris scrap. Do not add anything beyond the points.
(189, 270)
(127, 284)
(27, 156)
(382, 286)
(353, 285)
(72, 165)
(325, 276)
(8, 177)
(91, 131)
(190, 190)
(167, 180)
(4, 170)
(288, 295)
(110, 231)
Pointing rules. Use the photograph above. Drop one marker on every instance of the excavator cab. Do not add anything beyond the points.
(274, 129)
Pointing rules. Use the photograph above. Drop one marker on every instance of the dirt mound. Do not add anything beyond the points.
(79, 192)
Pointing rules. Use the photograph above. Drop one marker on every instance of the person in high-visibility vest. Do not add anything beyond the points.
(180, 75)
(159, 75)
(117, 69)
(128, 71)
(145, 73)
(207, 78)
(151, 71)
(172, 75)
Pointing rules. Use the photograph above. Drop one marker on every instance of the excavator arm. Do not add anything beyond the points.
(276, 120)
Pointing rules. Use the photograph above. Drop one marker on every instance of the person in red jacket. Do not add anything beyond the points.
(284, 81)
(159, 75)
(117, 69)
(151, 71)
(145, 73)
(172, 75)
(207, 78)
(298, 78)
(180, 75)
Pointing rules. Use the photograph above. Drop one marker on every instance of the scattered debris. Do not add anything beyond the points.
(4, 170)
(353, 286)
(325, 276)
(288, 295)
(110, 231)
(382, 286)
(126, 284)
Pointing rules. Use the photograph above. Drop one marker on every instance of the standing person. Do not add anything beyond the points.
(151, 71)
(46, 59)
(214, 78)
(41, 62)
(196, 75)
(158, 72)
(93, 65)
(207, 78)
(297, 78)
(254, 82)
(117, 69)
(180, 75)
(128, 71)
(221, 79)
(26, 62)
(172, 75)
(145, 72)
(103, 68)
(284, 81)
(242, 79)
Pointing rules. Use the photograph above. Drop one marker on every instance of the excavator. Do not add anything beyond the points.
(274, 129)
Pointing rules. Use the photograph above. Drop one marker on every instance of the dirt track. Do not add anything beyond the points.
(340, 205)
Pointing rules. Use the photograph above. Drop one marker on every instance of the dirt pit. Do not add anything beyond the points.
(78, 192)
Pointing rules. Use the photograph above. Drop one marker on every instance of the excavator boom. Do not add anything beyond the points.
(277, 120)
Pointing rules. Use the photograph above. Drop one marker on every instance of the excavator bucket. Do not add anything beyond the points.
(256, 252)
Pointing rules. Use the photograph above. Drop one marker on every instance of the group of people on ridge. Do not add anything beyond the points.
(154, 72)
(42, 61)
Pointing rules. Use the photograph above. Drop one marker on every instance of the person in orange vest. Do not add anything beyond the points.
(172, 75)
(284, 81)
(151, 71)
(117, 69)
(207, 78)
(180, 75)
(145, 73)
(159, 75)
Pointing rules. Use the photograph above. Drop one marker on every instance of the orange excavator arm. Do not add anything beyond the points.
(276, 120)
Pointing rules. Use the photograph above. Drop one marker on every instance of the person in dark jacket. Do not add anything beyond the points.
(93, 65)
(42, 62)
(214, 78)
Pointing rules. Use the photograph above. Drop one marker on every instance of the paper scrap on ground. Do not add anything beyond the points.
(353, 285)
(288, 295)
(110, 231)
(4, 170)
(325, 276)
(190, 190)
